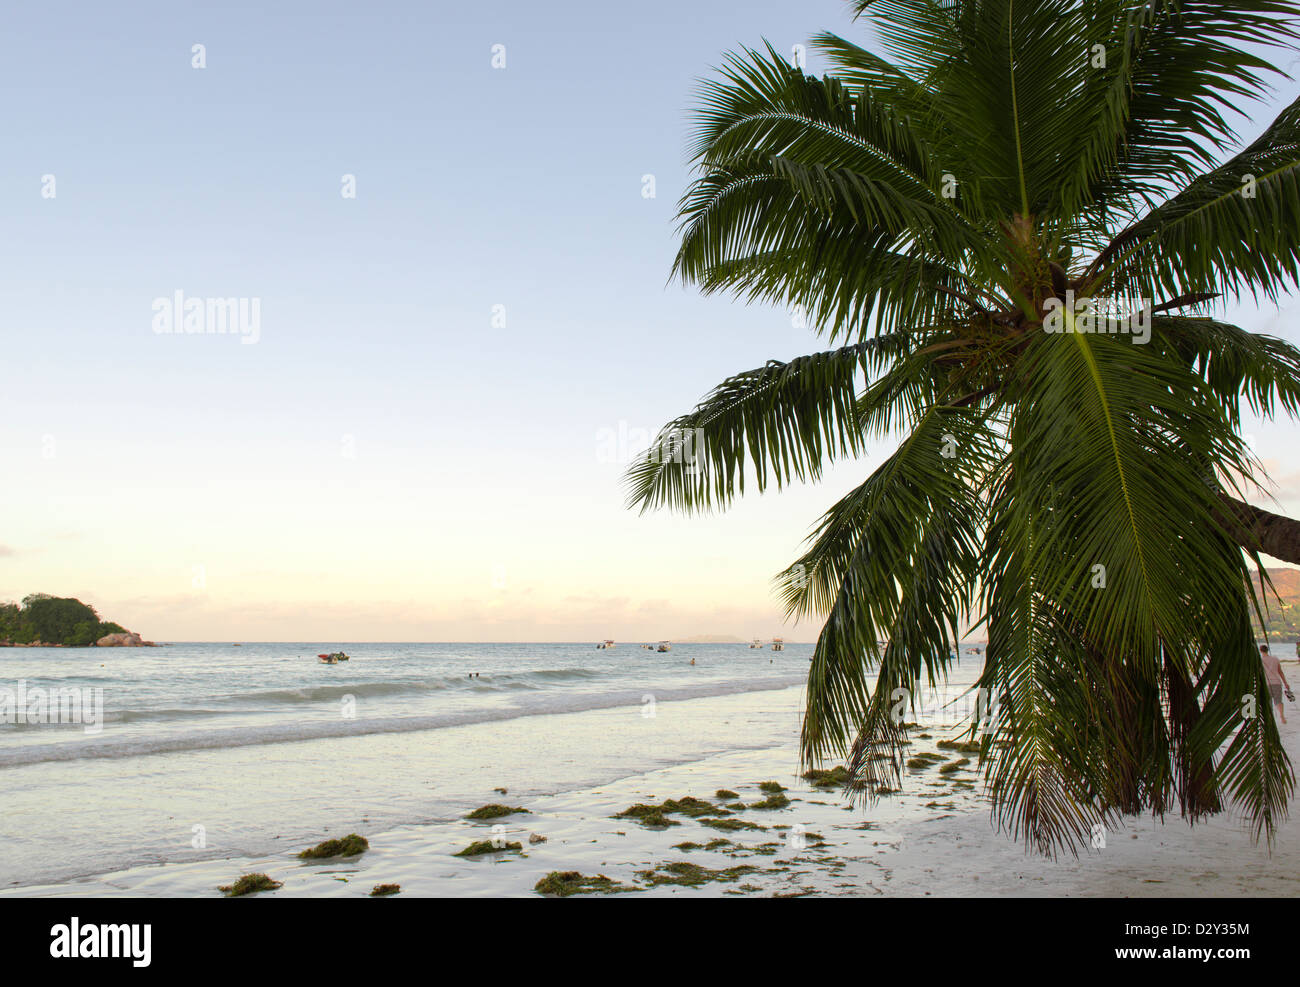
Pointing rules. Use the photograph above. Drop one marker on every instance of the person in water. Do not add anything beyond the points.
(1276, 680)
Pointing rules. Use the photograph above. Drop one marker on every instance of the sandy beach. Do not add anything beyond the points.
(935, 838)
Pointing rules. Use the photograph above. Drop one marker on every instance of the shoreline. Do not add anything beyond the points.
(935, 838)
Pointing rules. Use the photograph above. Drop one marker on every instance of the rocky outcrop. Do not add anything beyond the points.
(127, 639)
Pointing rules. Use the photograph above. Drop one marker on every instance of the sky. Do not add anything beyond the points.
(425, 436)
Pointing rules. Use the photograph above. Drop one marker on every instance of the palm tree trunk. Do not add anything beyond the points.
(1255, 528)
(1193, 780)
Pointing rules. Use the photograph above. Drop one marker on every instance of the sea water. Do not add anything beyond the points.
(211, 750)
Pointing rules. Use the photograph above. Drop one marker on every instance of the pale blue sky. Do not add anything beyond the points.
(383, 463)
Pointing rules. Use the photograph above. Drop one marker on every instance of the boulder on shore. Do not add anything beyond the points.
(127, 639)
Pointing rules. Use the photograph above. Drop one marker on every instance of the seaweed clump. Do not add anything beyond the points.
(835, 777)
(494, 811)
(730, 825)
(250, 884)
(383, 890)
(657, 815)
(689, 806)
(647, 815)
(480, 847)
(562, 883)
(924, 760)
(774, 801)
(717, 844)
(690, 875)
(349, 846)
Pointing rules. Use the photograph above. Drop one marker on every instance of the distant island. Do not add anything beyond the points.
(48, 621)
(1283, 610)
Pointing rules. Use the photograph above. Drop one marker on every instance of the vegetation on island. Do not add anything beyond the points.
(53, 620)
(1281, 620)
(1020, 259)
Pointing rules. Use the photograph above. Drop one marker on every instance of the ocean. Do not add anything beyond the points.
(213, 750)
(215, 761)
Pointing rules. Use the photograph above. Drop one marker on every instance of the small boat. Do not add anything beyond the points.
(607, 643)
(756, 643)
(664, 646)
(778, 644)
(333, 658)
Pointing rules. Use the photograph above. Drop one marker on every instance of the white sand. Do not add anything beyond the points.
(930, 840)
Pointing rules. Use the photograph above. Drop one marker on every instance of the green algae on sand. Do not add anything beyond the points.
(730, 825)
(250, 884)
(718, 844)
(691, 875)
(657, 815)
(349, 846)
(650, 816)
(926, 759)
(690, 806)
(962, 747)
(774, 801)
(827, 777)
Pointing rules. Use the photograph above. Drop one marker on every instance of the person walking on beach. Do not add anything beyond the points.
(1276, 680)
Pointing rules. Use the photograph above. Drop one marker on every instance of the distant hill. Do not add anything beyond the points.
(1283, 614)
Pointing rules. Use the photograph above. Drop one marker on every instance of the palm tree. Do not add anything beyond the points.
(935, 212)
